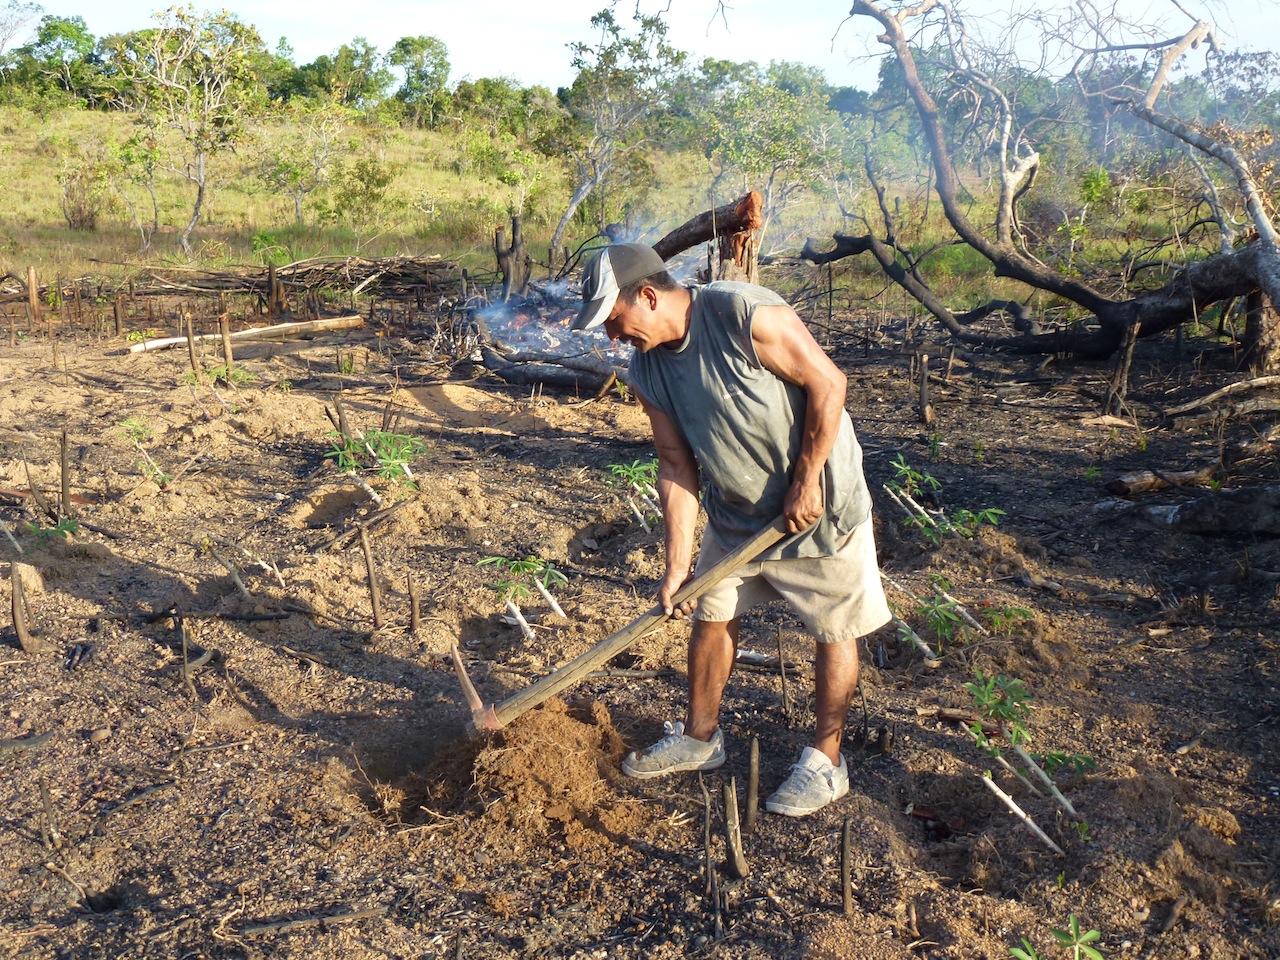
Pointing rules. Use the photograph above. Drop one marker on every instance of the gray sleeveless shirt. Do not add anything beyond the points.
(745, 425)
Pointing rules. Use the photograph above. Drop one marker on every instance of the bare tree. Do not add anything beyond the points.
(939, 58)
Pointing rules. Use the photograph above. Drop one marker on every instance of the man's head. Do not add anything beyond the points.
(619, 266)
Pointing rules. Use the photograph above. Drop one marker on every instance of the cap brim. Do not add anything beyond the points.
(595, 312)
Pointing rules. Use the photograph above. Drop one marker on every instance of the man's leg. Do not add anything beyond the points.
(837, 678)
(711, 650)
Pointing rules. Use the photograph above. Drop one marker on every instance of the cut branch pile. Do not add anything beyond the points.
(386, 276)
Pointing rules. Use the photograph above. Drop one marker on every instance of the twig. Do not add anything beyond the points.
(1018, 812)
(36, 495)
(65, 463)
(235, 574)
(753, 785)
(374, 600)
(284, 926)
(18, 604)
(141, 795)
(708, 863)
(1174, 913)
(782, 671)
(54, 868)
(25, 743)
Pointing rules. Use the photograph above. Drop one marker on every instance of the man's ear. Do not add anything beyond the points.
(649, 297)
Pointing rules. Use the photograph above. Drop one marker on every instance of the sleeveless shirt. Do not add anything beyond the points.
(745, 425)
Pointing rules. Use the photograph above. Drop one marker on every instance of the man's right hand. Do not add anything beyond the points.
(667, 590)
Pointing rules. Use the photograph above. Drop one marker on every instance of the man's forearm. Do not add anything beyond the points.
(678, 494)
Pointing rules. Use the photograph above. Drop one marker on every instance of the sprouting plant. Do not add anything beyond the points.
(1077, 942)
(1092, 474)
(1062, 880)
(284, 386)
(388, 453)
(944, 620)
(911, 481)
(935, 445)
(60, 530)
(979, 451)
(1082, 828)
(1055, 760)
(394, 452)
(511, 591)
(639, 479)
(967, 523)
(233, 376)
(1005, 701)
(140, 336)
(1004, 618)
(1072, 939)
(136, 430)
(345, 451)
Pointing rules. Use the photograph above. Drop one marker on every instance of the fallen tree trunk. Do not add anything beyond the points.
(280, 331)
(1247, 510)
(734, 224)
(1145, 481)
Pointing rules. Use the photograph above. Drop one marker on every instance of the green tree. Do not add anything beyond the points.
(425, 62)
(62, 55)
(193, 74)
(298, 148)
(353, 76)
(622, 80)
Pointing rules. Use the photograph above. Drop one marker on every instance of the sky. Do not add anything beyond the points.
(528, 40)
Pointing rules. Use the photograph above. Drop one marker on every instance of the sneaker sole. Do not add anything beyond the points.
(685, 767)
(787, 810)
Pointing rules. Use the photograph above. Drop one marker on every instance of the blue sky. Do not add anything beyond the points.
(528, 41)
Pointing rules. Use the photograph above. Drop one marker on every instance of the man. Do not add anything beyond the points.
(735, 385)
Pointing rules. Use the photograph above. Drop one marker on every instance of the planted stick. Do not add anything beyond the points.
(4, 528)
(846, 866)
(36, 495)
(1018, 812)
(369, 492)
(191, 347)
(782, 671)
(233, 571)
(53, 838)
(519, 618)
(1003, 762)
(638, 514)
(373, 579)
(65, 460)
(753, 784)
(550, 600)
(18, 604)
(415, 606)
(224, 331)
(735, 856)
(1047, 780)
(707, 861)
(904, 628)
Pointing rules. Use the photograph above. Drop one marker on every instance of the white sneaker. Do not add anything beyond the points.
(675, 752)
(814, 782)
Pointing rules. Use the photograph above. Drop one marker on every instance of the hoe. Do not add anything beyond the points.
(494, 716)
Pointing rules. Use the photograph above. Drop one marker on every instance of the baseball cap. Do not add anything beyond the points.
(608, 272)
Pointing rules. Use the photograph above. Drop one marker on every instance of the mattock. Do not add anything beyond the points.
(495, 716)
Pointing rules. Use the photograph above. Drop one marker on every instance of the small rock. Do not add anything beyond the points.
(102, 733)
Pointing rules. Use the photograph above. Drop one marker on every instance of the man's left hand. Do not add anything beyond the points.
(802, 507)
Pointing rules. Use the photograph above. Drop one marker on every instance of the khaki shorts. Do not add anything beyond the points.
(838, 597)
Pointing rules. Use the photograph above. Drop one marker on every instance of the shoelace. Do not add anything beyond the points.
(804, 776)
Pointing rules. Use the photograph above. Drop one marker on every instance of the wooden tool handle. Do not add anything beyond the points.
(607, 649)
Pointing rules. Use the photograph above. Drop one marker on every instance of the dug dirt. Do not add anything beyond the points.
(215, 753)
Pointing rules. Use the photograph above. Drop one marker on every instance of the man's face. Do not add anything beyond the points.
(633, 323)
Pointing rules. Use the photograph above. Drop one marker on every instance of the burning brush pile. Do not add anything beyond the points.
(528, 341)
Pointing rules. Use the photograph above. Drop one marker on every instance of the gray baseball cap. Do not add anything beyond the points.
(608, 272)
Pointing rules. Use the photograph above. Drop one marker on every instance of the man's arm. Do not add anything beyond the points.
(786, 348)
(678, 493)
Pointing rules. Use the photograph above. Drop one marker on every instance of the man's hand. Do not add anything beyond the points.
(667, 590)
(802, 506)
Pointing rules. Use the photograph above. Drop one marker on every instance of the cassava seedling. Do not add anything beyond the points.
(638, 479)
(136, 430)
